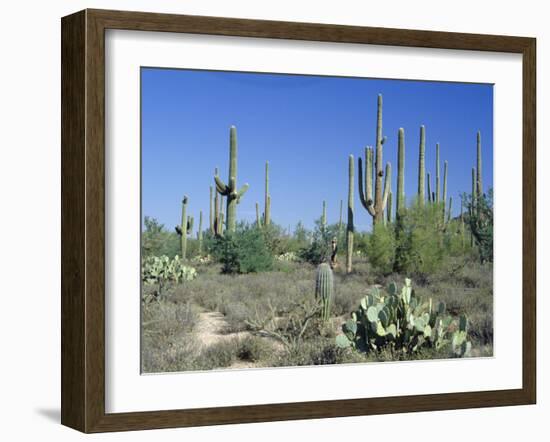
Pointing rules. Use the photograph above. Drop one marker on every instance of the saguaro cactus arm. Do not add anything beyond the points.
(366, 201)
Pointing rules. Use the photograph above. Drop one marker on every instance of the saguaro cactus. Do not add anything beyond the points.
(258, 218)
(422, 166)
(473, 202)
(400, 171)
(211, 219)
(437, 170)
(199, 233)
(185, 228)
(375, 207)
(389, 208)
(445, 167)
(350, 227)
(267, 196)
(324, 289)
(230, 189)
(324, 216)
(429, 179)
(479, 177)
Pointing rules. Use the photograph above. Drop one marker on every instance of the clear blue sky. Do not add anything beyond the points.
(306, 127)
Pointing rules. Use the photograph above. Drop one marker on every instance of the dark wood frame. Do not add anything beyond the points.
(83, 217)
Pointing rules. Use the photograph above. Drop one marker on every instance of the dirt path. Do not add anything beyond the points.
(212, 328)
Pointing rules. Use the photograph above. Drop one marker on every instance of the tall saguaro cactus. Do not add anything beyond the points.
(229, 190)
(267, 196)
(350, 227)
(437, 171)
(375, 207)
(445, 167)
(422, 166)
(400, 172)
(340, 222)
(389, 208)
(185, 228)
(473, 202)
(479, 177)
(324, 216)
(211, 219)
(429, 179)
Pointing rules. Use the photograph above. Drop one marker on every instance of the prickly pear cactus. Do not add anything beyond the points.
(324, 289)
(400, 320)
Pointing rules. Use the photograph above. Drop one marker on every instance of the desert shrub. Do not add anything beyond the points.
(156, 240)
(243, 251)
(218, 355)
(253, 348)
(381, 248)
(320, 250)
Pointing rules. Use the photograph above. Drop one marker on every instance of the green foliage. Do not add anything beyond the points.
(319, 249)
(381, 248)
(157, 241)
(242, 251)
(399, 320)
(480, 222)
(161, 270)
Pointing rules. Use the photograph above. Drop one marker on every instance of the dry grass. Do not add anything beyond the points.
(171, 341)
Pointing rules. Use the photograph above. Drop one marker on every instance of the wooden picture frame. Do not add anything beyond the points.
(83, 220)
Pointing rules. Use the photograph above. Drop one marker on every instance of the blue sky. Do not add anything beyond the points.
(306, 127)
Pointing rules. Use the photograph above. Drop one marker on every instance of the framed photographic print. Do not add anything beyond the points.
(266, 220)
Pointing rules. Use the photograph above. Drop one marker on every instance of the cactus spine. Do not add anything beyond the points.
(400, 172)
(437, 170)
(422, 166)
(324, 289)
(267, 202)
(230, 189)
(350, 227)
(377, 206)
(479, 178)
(199, 233)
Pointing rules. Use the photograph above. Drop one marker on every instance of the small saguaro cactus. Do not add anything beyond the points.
(422, 167)
(229, 190)
(258, 218)
(185, 228)
(400, 172)
(449, 213)
(350, 227)
(267, 196)
(375, 206)
(324, 289)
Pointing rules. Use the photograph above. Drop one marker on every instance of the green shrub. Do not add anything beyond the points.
(319, 250)
(156, 240)
(244, 251)
(381, 248)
